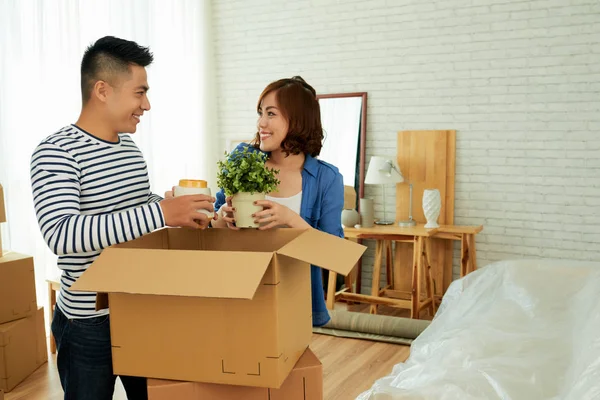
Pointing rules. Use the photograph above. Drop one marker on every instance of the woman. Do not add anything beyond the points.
(311, 193)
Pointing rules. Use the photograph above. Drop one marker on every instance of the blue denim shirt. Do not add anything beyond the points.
(321, 207)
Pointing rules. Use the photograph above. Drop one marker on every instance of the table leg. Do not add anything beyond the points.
(464, 255)
(472, 253)
(351, 281)
(379, 244)
(331, 290)
(389, 265)
(416, 282)
(428, 277)
(359, 272)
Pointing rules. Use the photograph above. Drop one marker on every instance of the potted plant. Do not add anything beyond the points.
(245, 177)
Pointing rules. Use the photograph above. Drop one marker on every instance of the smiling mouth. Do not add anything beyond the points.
(264, 135)
(137, 117)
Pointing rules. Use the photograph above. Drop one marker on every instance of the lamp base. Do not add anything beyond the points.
(384, 222)
(407, 224)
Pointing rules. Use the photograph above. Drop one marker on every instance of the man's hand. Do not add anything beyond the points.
(182, 210)
(169, 194)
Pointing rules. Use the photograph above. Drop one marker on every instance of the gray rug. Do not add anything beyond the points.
(380, 328)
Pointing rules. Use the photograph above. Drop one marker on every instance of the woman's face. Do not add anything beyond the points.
(272, 126)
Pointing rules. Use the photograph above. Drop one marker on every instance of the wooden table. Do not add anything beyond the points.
(384, 235)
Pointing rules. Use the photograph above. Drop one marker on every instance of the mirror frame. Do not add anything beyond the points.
(362, 136)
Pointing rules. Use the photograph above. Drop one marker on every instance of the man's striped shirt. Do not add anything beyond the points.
(89, 194)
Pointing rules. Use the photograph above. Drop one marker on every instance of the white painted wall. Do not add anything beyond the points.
(518, 80)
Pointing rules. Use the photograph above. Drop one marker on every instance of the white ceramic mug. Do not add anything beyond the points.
(191, 186)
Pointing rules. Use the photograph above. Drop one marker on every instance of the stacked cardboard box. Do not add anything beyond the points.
(215, 306)
(22, 329)
(305, 382)
(2, 216)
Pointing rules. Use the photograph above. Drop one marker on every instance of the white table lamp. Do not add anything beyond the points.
(383, 171)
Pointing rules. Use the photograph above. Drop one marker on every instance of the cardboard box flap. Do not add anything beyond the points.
(178, 273)
(324, 250)
(308, 360)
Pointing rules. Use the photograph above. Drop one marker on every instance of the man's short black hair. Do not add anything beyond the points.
(107, 58)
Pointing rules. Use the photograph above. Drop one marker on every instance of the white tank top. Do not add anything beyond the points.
(293, 203)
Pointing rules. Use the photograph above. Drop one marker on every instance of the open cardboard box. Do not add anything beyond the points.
(217, 306)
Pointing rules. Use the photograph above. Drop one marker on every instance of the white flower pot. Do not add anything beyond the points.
(244, 208)
(432, 205)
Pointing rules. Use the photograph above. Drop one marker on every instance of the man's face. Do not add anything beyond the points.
(128, 99)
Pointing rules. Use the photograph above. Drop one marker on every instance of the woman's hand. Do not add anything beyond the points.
(274, 214)
(227, 214)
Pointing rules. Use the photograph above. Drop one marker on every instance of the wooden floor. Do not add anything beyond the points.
(349, 367)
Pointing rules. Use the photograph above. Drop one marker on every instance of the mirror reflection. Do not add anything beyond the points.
(343, 117)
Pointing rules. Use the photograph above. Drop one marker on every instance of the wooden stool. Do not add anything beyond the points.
(53, 287)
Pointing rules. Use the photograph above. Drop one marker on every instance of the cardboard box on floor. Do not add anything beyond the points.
(17, 287)
(218, 306)
(2, 215)
(22, 349)
(2, 207)
(305, 382)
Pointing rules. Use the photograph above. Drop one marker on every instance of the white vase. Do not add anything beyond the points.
(350, 218)
(432, 205)
(366, 213)
(244, 208)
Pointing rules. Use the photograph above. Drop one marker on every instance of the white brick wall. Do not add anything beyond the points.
(518, 80)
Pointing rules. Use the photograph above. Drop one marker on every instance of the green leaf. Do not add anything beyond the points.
(245, 171)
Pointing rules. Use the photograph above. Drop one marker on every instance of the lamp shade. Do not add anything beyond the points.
(382, 170)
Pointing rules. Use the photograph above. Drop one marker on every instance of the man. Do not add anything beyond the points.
(91, 190)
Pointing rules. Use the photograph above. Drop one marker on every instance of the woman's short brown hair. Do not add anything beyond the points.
(298, 103)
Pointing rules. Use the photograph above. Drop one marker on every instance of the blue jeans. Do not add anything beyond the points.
(85, 360)
(320, 314)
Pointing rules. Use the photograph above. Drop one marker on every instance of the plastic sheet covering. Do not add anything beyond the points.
(519, 330)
